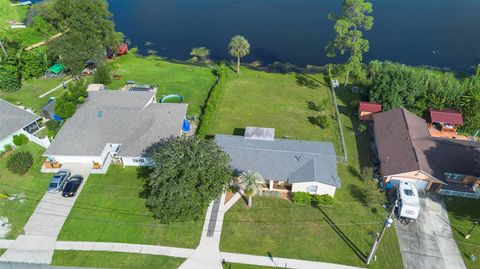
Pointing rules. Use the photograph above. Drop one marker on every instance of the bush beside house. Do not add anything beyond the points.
(20, 162)
(305, 198)
(20, 139)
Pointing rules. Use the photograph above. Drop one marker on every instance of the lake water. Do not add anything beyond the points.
(442, 33)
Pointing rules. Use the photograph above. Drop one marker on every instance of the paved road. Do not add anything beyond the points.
(38, 243)
(428, 242)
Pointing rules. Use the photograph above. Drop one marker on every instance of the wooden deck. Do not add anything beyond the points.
(452, 135)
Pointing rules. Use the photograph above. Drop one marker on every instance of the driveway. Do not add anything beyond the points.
(428, 242)
(41, 231)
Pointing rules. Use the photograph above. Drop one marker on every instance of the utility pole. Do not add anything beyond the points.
(387, 224)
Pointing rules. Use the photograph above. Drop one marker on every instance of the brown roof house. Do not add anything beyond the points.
(407, 152)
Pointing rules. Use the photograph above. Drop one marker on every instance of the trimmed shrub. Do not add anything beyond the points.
(324, 199)
(211, 103)
(321, 121)
(52, 125)
(302, 198)
(20, 162)
(20, 139)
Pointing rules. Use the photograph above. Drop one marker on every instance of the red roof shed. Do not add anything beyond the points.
(122, 49)
(447, 115)
(367, 109)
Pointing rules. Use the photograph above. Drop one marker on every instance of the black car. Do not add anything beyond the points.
(73, 183)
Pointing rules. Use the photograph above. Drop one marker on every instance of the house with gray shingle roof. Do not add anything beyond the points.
(286, 165)
(14, 121)
(115, 126)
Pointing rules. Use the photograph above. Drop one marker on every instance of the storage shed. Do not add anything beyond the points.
(367, 109)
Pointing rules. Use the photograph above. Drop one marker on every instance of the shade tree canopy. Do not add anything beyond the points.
(185, 176)
(87, 27)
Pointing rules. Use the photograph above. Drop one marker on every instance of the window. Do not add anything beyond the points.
(451, 176)
(312, 189)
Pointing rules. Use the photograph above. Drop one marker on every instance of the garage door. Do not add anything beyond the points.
(419, 184)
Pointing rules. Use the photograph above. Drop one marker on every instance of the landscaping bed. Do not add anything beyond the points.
(110, 209)
(28, 190)
(191, 82)
(462, 213)
(106, 259)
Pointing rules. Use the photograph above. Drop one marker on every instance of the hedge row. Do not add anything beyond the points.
(211, 103)
(305, 198)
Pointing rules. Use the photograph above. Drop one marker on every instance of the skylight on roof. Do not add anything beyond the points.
(100, 114)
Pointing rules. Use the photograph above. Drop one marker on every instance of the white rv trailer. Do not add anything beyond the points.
(407, 200)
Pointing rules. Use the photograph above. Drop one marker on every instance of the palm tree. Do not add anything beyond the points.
(250, 183)
(238, 47)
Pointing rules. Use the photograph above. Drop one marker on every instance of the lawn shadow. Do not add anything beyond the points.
(305, 81)
(344, 237)
(316, 80)
(357, 193)
(354, 172)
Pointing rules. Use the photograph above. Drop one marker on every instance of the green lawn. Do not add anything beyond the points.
(10, 13)
(105, 259)
(280, 228)
(30, 186)
(192, 82)
(29, 94)
(272, 100)
(109, 210)
(462, 212)
(277, 226)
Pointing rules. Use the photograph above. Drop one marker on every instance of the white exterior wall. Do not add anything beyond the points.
(128, 161)
(321, 188)
(76, 159)
(9, 140)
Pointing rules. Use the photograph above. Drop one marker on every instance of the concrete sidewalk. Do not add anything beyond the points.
(41, 231)
(126, 248)
(279, 262)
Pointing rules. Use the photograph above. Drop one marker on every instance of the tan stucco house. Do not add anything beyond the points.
(408, 152)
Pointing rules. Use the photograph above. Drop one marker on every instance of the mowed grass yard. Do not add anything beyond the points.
(105, 259)
(280, 228)
(29, 94)
(110, 209)
(10, 13)
(192, 82)
(273, 100)
(342, 233)
(28, 189)
(462, 213)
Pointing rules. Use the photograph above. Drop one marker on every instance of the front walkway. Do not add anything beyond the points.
(207, 254)
(41, 231)
(428, 242)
